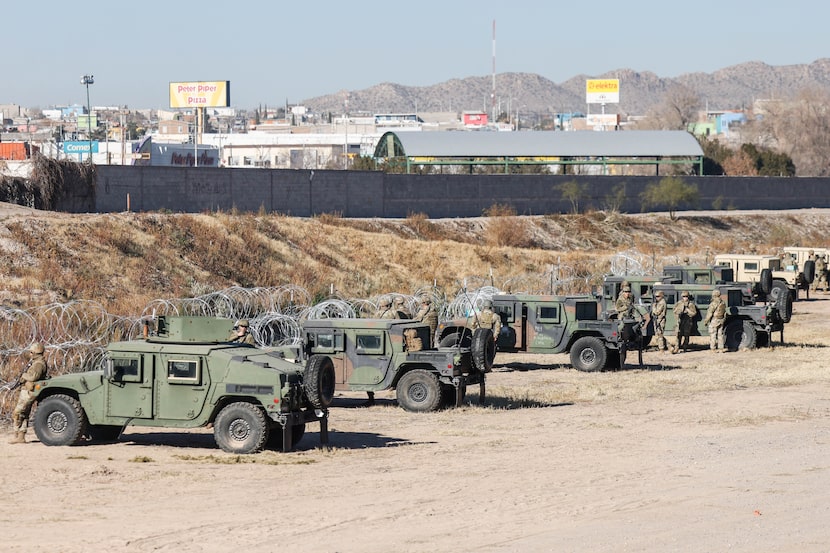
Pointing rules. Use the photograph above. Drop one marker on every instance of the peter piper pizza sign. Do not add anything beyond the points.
(201, 94)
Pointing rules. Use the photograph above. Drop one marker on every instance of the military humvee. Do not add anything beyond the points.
(747, 325)
(766, 273)
(801, 254)
(184, 374)
(775, 291)
(555, 324)
(380, 354)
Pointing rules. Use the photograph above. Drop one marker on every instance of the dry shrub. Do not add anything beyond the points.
(505, 228)
(333, 218)
(422, 227)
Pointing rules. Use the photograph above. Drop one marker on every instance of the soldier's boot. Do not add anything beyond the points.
(674, 350)
(19, 437)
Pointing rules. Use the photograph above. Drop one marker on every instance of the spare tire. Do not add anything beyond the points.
(809, 271)
(766, 281)
(782, 299)
(484, 349)
(318, 381)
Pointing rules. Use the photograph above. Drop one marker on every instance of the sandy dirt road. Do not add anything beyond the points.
(694, 452)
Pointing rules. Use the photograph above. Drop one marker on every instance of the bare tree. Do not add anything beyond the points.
(678, 109)
(799, 127)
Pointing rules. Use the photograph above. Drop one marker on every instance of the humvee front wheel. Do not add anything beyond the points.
(740, 334)
(241, 428)
(452, 339)
(419, 391)
(318, 381)
(589, 354)
(60, 420)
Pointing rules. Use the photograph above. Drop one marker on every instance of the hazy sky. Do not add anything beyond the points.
(272, 51)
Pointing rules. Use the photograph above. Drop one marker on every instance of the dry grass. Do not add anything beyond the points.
(126, 260)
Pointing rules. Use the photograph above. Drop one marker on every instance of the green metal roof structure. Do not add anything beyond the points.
(604, 148)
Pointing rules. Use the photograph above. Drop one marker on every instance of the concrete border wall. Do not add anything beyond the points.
(372, 194)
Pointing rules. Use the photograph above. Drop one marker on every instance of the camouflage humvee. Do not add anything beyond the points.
(555, 324)
(380, 354)
(747, 325)
(184, 374)
(773, 290)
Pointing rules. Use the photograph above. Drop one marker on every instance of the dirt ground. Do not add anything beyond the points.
(693, 452)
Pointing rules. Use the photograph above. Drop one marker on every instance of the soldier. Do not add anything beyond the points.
(685, 311)
(240, 334)
(35, 370)
(428, 315)
(715, 317)
(625, 303)
(488, 319)
(820, 278)
(401, 309)
(385, 310)
(658, 316)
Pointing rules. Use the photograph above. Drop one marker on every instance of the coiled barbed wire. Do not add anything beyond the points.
(76, 333)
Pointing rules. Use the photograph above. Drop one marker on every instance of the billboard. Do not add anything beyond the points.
(602, 91)
(163, 154)
(603, 121)
(200, 94)
(80, 147)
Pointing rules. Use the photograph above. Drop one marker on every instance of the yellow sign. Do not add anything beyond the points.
(602, 91)
(201, 94)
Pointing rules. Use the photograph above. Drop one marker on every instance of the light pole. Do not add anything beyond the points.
(88, 80)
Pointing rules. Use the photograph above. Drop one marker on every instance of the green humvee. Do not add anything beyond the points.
(573, 324)
(382, 354)
(747, 325)
(184, 374)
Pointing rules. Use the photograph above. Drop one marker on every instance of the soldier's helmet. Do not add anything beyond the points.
(385, 302)
(243, 322)
(487, 304)
(36, 348)
(399, 300)
(684, 295)
(426, 300)
(658, 294)
(715, 293)
(626, 288)
(810, 252)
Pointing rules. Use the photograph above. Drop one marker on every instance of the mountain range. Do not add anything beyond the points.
(731, 88)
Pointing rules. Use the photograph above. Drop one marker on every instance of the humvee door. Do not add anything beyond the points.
(129, 390)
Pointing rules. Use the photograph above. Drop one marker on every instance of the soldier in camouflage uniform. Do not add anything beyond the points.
(428, 315)
(35, 370)
(488, 319)
(658, 317)
(820, 278)
(240, 334)
(401, 309)
(385, 310)
(625, 303)
(685, 311)
(715, 318)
